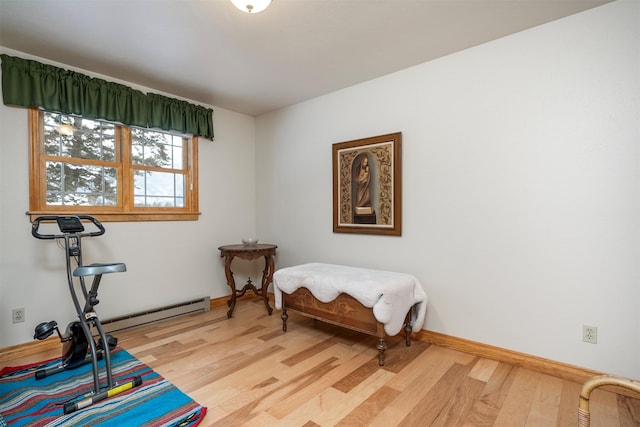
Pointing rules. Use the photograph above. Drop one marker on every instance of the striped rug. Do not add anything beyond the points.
(27, 402)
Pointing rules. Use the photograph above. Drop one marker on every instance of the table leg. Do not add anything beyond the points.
(232, 284)
(267, 276)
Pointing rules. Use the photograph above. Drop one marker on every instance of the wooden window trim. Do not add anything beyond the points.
(125, 211)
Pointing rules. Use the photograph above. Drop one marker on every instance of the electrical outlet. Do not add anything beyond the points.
(590, 334)
(18, 315)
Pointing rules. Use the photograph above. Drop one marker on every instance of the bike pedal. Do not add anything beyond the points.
(112, 342)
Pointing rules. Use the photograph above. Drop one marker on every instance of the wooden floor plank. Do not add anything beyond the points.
(546, 402)
(271, 400)
(342, 368)
(487, 406)
(368, 410)
(517, 404)
(483, 369)
(353, 399)
(629, 410)
(434, 408)
(568, 409)
(605, 413)
(356, 377)
(303, 414)
(415, 376)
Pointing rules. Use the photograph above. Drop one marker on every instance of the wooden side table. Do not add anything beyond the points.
(249, 252)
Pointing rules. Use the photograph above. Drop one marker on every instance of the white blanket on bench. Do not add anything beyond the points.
(391, 295)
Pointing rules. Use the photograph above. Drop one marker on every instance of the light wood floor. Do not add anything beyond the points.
(248, 372)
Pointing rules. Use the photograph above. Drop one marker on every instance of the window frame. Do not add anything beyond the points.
(125, 210)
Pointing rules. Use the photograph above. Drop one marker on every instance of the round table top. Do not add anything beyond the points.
(247, 248)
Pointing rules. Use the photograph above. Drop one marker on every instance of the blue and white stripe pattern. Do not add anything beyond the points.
(25, 401)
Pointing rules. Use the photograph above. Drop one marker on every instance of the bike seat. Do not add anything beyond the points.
(95, 269)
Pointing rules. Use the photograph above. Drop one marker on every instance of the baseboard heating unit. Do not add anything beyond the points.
(155, 315)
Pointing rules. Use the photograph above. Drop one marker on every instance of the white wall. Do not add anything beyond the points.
(521, 198)
(167, 262)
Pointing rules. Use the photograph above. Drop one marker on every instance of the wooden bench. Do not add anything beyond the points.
(296, 287)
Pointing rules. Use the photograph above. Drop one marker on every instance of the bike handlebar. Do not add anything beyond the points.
(55, 218)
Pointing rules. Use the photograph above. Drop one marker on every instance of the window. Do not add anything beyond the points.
(111, 171)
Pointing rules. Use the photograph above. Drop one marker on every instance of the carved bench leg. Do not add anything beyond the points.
(407, 332)
(408, 328)
(284, 316)
(382, 346)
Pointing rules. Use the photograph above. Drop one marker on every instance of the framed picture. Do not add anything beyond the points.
(367, 185)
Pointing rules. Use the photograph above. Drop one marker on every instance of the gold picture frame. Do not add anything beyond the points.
(367, 191)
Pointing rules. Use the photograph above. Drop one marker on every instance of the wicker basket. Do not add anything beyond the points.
(584, 417)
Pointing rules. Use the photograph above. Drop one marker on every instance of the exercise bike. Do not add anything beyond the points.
(79, 345)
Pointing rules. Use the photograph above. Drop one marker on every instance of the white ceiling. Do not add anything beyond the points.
(208, 51)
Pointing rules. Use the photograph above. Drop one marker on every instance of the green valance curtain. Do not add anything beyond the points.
(28, 83)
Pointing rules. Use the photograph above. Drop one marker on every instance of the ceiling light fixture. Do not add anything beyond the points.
(251, 6)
